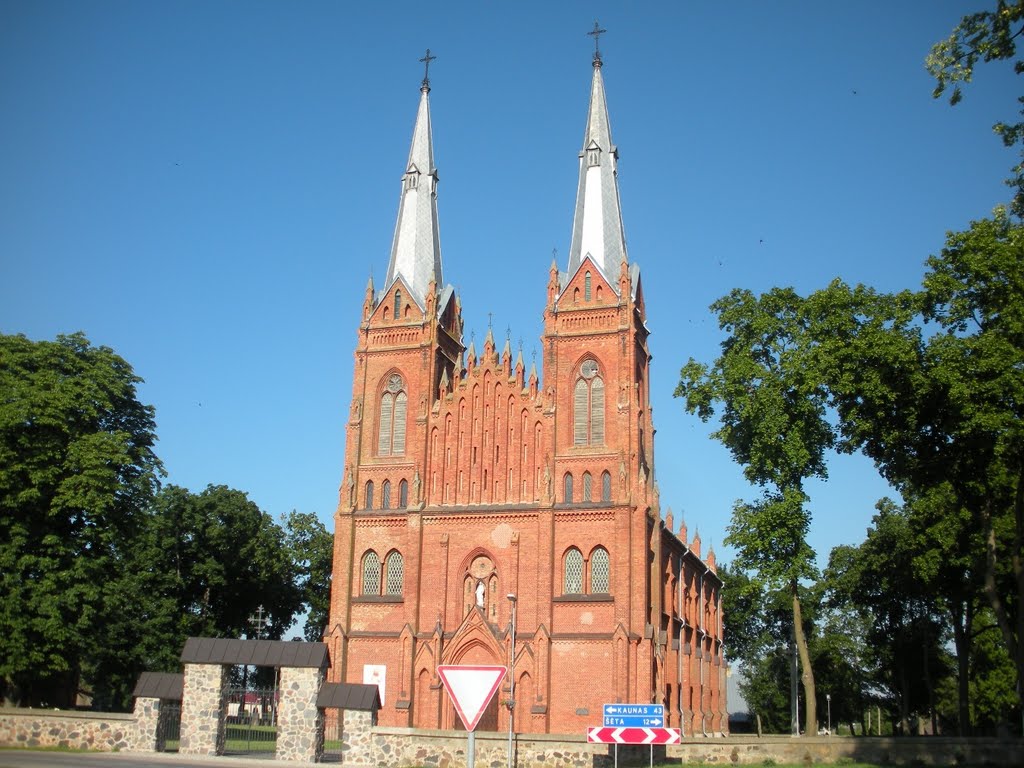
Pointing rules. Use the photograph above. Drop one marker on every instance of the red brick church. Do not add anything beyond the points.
(474, 487)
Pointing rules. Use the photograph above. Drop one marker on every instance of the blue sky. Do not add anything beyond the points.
(205, 187)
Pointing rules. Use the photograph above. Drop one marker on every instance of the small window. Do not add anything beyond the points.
(385, 495)
(368, 495)
(567, 490)
(395, 567)
(587, 487)
(371, 573)
(599, 571)
(403, 495)
(573, 572)
(398, 304)
(606, 486)
(586, 287)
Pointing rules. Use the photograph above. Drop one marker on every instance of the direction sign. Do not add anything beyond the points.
(471, 689)
(633, 735)
(634, 715)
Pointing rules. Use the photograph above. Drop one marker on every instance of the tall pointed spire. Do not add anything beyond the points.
(416, 248)
(597, 226)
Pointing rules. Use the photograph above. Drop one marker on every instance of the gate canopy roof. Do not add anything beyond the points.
(160, 685)
(258, 653)
(349, 696)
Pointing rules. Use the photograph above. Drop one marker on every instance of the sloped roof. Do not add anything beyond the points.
(160, 685)
(259, 653)
(349, 696)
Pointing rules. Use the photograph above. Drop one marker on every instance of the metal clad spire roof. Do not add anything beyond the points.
(597, 226)
(416, 248)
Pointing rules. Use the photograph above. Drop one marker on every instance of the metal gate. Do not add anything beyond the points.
(251, 720)
(168, 725)
(333, 733)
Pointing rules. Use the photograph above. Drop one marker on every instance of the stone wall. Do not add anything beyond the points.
(300, 725)
(383, 745)
(72, 730)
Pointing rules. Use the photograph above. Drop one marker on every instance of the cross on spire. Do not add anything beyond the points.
(596, 34)
(426, 68)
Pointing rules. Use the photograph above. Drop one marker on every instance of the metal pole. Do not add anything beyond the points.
(828, 702)
(471, 750)
(512, 684)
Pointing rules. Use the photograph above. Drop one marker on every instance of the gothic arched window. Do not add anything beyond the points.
(391, 434)
(398, 304)
(586, 287)
(567, 489)
(371, 573)
(368, 495)
(403, 494)
(573, 582)
(587, 487)
(385, 495)
(606, 486)
(588, 406)
(599, 571)
(394, 567)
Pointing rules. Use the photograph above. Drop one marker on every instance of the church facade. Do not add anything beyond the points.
(484, 507)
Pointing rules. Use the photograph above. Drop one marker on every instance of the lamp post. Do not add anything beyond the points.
(828, 702)
(512, 680)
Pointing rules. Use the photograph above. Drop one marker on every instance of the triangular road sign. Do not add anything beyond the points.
(471, 689)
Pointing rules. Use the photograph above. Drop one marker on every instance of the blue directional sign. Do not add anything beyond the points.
(634, 716)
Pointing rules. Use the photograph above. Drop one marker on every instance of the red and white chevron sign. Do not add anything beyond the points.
(633, 735)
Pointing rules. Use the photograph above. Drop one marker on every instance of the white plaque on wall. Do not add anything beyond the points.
(376, 674)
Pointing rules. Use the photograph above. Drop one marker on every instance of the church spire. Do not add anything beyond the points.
(597, 226)
(416, 248)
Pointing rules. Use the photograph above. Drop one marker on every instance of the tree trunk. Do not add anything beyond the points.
(962, 615)
(806, 673)
(1013, 636)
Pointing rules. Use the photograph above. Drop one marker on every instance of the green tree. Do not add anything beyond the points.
(221, 557)
(774, 423)
(77, 471)
(930, 386)
(312, 552)
(983, 36)
(905, 631)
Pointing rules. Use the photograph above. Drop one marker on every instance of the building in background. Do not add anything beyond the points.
(469, 479)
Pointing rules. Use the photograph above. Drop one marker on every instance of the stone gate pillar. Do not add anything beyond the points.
(202, 709)
(300, 724)
(147, 725)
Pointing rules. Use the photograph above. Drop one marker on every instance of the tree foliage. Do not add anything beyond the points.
(312, 552)
(773, 421)
(102, 573)
(77, 471)
(983, 36)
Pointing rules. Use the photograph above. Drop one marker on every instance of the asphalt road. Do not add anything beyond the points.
(12, 758)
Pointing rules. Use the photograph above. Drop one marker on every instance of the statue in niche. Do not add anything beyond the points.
(547, 479)
(480, 589)
(416, 487)
(357, 409)
(351, 485)
(622, 472)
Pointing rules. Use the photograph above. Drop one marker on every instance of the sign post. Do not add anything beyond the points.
(471, 688)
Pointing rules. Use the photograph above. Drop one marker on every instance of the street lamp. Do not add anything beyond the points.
(828, 703)
(512, 680)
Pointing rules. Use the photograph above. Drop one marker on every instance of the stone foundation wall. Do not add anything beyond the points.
(382, 745)
(105, 732)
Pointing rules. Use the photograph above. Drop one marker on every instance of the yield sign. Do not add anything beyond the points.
(471, 689)
(633, 735)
